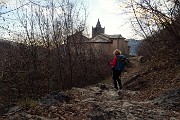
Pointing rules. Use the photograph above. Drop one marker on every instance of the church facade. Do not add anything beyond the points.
(107, 43)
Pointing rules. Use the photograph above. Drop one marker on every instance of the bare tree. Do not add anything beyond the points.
(51, 53)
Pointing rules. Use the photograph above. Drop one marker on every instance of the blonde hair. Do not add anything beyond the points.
(117, 52)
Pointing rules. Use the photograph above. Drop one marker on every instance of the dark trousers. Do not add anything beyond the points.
(116, 79)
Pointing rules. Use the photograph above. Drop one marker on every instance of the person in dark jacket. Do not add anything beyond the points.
(117, 66)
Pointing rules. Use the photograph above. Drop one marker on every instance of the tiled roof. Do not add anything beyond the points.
(100, 39)
(104, 38)
(113, 36)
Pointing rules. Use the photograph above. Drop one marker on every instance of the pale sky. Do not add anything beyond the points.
(109, 12)
(111, 16)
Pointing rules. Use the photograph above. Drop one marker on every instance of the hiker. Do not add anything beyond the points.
(117, 66)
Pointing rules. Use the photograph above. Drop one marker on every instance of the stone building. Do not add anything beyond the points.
(100, 41)
(107, 43)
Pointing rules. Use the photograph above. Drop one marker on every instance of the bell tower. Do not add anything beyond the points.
(98, 29)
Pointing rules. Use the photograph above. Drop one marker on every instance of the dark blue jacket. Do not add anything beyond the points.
(120, 62)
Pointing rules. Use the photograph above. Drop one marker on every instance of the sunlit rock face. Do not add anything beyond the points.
(133, 46)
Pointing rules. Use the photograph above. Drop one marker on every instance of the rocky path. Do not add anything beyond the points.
(100, 102)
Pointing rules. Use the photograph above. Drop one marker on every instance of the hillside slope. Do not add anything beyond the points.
(151, 79)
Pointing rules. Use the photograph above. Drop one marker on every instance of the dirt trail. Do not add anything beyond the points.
(134, 68)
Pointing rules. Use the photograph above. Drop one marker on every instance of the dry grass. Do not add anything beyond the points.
(150, 81)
